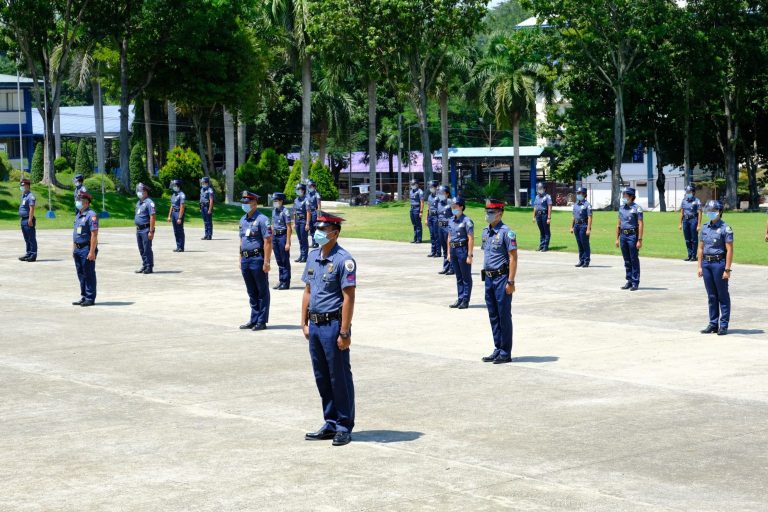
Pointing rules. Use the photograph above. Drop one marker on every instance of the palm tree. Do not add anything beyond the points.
(506, 87)
(333, 107)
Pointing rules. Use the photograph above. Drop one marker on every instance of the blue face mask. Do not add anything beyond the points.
(300, 193)
(175, 188)
(321, 238)
(79, 205)
(624, 201)
(456, 212)
(712, 215)
(490, 218)
(689, 196)
(246, 207)
(140, 195)
(21, 188)
(579, 197)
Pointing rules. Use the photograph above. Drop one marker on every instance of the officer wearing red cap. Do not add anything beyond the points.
(84, 249)
(255, 256)
(27, 216)
(326, 318)
(499, 269)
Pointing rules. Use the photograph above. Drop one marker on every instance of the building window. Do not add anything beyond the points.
(9, 101)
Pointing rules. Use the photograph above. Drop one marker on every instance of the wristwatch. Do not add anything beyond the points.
(727, 270)
(511, 282)
(344, 335)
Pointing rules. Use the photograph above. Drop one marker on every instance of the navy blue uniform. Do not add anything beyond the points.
(498, 242)
(313, 203)
(85, 226)
(206, 196)
(460, 230)
(432, 223)
(281, 219)
(444, 217)
(253, 231)
(416, 197)
(177, 200)
(145, 208)
(582, 211)
(713, 240)
(300, 212)
(690, 212)
(28, 232)
(630, 216)
(541, 204)
(326, 278)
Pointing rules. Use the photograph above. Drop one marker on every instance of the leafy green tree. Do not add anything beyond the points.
(5, 166)
(267, 176)
(321, 175)
(138, 172)
(38, 167)
(185, 165)
(294, 178)
(84, 161)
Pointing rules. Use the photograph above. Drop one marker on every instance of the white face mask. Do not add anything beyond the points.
(175, 188)
(624, 201)
(300, 193)
(140, 195)
(432, 189)
(414, 187)
(276, 204)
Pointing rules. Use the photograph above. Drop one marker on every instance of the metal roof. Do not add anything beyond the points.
(8, 79)
(80, 121)
(493, 152)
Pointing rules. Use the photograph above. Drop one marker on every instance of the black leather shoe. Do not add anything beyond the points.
(297, 260)
(78, 302)
(147, 270)
(176, 250)
(709, 329)
(31, 259)
(455, 305)
(285, 286)
(687, 259)
(545, 249)
(463, 305)
(579, 264)
(627, 286)
(585, 265)
(413, 241)
(722, 331)
(443, 272)
(633, 288)
(249, 325)
(23, 258)
(321, 435)
(87, 303)
(277, 286)
(502, 360)
(341, 438)
(450, 273)
(259, 327)
(491, 358)
(139, 271)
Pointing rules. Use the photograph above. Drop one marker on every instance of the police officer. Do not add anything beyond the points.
(417, 206)
(461, 240)
(690, 220)
(301, 216)
(432, 222)
(542, 216)
(85, 248)
(581, 225)
(145, 228)
(629, 236)
(499, 269)
(28, 221)
(281, 244)
(79, 187)
(444, 216)
(715, 256)
(326, 320)
(206, 207)
(314, 204)
(255, 256)
(176, 214)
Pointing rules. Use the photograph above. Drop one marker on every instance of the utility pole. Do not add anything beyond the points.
(399, 156)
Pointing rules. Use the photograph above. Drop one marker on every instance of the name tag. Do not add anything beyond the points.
(248, 232)
(79, 230)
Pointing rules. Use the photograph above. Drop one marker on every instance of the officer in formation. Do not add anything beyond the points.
(314, 204)
(145, 228)
(85, 236)
(255, 256)
(499, 269)
(431, 222)
(715, 255)
(417, 206)
(27, 216)
(326, 319)
(542, 216)
(79, 187)
(281, 239)
(690, 220)
(176, 214)
(629, 236)
(444, 216)
(301, 218)
(581, 226)
(206, 207)
(461, 240)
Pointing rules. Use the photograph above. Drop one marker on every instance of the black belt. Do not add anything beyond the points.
(432, 214)
(541, 212)
(579, 221)
(84, 244)
(25, 218)
(280, 231)
(303, 217)
(628, 231)
(142, 226)
(204, 204)
(458, 244)
(176, 208)
(248, 254)
(443, 223)
(718, 257)
(324, 318)
(688, 217)
(503, 271)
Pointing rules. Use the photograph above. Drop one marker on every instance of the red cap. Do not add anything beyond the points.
(494, 204)
(25, 181)
(248, 197)
(326, 218)
(85, 195)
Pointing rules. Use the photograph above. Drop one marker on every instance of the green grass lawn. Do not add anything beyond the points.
(391, 222)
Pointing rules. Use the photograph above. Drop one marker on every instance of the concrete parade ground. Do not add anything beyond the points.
(154, 400)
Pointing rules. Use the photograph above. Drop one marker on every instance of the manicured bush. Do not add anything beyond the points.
(218, 189)
(267, 176)
(138, 171)
(294, 178)
(185, 165)
(322, 175)
(84, 161)
(15, 176)
(93, 184)
(61, 164)
(5, 166)
(38, 170)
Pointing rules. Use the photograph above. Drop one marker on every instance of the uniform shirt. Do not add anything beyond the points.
(630, 215)
(280, 218)
(497, 243)
(313, 200)
(300, 207)
(715, 236)
(206, 194)
(690, 207)
(581, 210)
(85, 223)
(253, 231)
(144, 210)
(326, 278)
(177, 199)
(460, 229)
(444, 209)
(432, 202)
(541, 203)
(417, 196)
(27, 200)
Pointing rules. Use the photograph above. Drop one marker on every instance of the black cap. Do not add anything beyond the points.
(278, 196)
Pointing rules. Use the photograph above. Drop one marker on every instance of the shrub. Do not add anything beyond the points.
(267, 176)
(494, 188)
(185, 165)
(218, 190)
(5, 166)
(322, 175)
(294, 178)
(61, 164)
(93, 184)
(66, 178)
(84, 161)
(138, 171)
(38, 171)
(15, 176)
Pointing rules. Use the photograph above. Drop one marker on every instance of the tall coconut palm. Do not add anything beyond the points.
(333, 107)
(506, 88)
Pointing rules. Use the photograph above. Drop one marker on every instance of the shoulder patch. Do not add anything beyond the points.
(93, 218)
(349, 265)
(728, 229)
(639, 209)
(511, 234)
(469, 223)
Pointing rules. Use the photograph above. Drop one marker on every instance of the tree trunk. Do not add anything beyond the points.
(241, 140)
(754, 197)
(516, 158)
(209, 142)
(372, 141)
(148, 135)
(125, 174)
(426, 152)
(661, 179)
(443, 101)
(57, 133)
(687, 137)
(731, 163)
(98, 114)
(306, 115)
(197, 122)
(229, 155)
(619, 140)
(322, 141)
(171, 126)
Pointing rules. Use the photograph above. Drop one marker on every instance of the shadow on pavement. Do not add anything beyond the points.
(113, 303)
(746, 331)
(535, 359)
(46, 261)
(167, 271)
(282, 327)
(386, 436)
